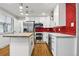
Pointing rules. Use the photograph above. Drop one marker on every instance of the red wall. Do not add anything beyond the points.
(70, 17)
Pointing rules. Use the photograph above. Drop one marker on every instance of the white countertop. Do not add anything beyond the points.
(61, 35)
(58, 34)
(27, 34)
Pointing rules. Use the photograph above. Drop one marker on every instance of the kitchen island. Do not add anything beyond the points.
(21, 44)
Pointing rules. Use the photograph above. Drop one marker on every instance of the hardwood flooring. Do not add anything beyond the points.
(4, 51)
(41, 49)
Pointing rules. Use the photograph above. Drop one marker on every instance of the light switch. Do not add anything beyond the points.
(54, 29)
(59, 29)
(72, 24)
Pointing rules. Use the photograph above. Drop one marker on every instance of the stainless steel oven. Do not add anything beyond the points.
(38, 35)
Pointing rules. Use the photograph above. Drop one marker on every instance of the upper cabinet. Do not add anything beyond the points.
(62, 14)
(5, 19)
(56, 15)
(6, 24)
(59, 15)
(8, 20)
(2, 19)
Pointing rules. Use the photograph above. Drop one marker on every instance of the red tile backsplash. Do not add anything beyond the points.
(70, 17)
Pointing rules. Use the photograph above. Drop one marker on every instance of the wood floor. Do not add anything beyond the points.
(41, 49)
(4, 51)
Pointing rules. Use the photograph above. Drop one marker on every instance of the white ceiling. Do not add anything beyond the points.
(35, 9)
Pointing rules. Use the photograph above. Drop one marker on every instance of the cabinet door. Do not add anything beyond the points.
(56, 15)
(65, 46)
(53, 44)
(19, 46)
(62, 18)
(45, 37)
(60, 15)
(31, 44)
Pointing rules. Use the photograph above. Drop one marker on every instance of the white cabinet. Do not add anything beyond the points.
(5, 19)
(18, 46)
(8, 20)
(53, 44)
(63, 45)
(60, 15)
(45, 37)
(31, 44)
(21, 46)
(56, 15)
(2, 19)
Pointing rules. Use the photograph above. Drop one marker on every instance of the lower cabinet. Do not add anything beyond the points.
(45, 37)
(21, 46)
(31, 44)
(63, 45)
(53, 44)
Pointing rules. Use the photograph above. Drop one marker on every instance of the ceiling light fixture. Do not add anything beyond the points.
(21, 13)
(43, 14)
(21, 6)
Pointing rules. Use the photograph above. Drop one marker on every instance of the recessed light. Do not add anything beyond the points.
(26, 14)
(20, 7)
(72, 24)
(21, 13)
(43, 13)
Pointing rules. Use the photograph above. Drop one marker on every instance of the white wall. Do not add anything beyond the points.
(77, 28)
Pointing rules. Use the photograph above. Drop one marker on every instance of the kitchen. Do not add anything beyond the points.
(23, 25)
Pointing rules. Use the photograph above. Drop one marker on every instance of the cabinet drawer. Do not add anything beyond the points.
(52, 49)
(53, 45)
(53, 41)
(53, 52)
(52, 38)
